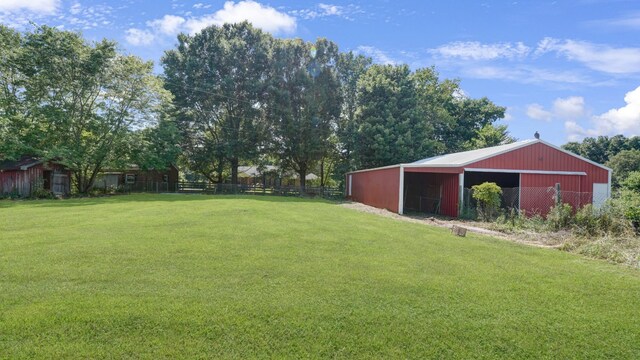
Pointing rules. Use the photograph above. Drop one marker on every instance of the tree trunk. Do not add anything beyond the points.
(234, 174)
(322, 173)
(303, 181)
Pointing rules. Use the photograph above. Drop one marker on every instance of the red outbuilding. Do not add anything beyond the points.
(530, 173)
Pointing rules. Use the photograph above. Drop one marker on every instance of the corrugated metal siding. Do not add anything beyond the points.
(542, 157)
(378, 188)
(450, 193)
(432, 185)
(538, 195)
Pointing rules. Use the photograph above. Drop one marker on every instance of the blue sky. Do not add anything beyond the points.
(568, 69)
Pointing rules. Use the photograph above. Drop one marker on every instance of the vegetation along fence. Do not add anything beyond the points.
(203, 187)
(533, 199)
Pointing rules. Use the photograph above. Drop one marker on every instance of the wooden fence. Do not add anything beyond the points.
(203, 187)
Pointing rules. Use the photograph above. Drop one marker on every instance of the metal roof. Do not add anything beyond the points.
(468, 157)
(464, 158)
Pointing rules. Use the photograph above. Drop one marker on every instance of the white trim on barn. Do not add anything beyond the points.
(545, 172)
(460, 192)
(401, 191)
(373, 169)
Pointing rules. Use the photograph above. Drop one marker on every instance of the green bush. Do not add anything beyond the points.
(40, 193)
(560, 217)
(488, 197)
(632, 181)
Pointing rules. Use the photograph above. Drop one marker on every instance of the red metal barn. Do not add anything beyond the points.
(529, 172)
(27, 174)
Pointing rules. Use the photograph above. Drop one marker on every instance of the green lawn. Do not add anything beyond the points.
(173, 276)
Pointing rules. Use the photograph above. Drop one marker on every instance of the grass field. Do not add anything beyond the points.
(171, 276)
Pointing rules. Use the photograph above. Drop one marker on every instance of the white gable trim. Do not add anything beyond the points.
(541, 172)
(373, 169)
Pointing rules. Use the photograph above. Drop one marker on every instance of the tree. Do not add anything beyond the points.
(470, 117)
(350, 68)
(487, 195)
(390, 128)
(219, 80)
(624, 163)
(79, 101)
(305, 103)
(156, 147)
(632, 181)
(490, 135)
(13, 124)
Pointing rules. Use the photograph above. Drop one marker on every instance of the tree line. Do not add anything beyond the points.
(229, 95)
(620, 153)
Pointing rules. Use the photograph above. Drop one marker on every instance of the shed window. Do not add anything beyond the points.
(165, 178)
(130, 178)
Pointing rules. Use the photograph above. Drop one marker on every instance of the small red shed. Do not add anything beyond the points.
(530, 172)
(21, 177)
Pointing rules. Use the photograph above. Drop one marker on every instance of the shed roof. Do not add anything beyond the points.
(23, 163)
(464, 158)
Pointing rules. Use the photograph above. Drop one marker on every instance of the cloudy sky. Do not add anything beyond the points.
(567, 68)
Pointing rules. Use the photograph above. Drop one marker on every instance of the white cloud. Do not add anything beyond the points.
(537, 112)
(595, 56)
(139, 37)
(569, 108)
(75, 9)
(201, 6)
(473, 50)
(376, 54)
(526, 75)
(630, 21)
(261, 16)
(35, 6)
(168, 24)
(330, 9)
(323, 10)
(625, 120)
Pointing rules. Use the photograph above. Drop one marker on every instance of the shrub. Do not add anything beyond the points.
(560, 217)
(40, 193)
(632, 182)
(488, 197)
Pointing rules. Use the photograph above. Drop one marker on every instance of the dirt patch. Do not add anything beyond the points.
(527, 238)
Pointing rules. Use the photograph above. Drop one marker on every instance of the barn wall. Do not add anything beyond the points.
(537, 192)
(416, 186)
(22, 182)
(378, 188)
(543, 157)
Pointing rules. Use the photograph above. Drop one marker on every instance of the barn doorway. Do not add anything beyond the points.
(430, 193)
(508, 182)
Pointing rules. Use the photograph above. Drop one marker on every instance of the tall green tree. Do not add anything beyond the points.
(13, 123)
(219, 80)
(623, 164)
(305, 104)
(81, 100)
(390, 127)
(350, 68)
(490, 135)
(470, 117)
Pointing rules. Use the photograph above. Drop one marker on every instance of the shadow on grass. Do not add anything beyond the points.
(169, 197)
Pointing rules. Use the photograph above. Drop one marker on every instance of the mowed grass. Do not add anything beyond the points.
(171, 276)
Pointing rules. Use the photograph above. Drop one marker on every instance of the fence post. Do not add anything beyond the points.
(558, 194)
